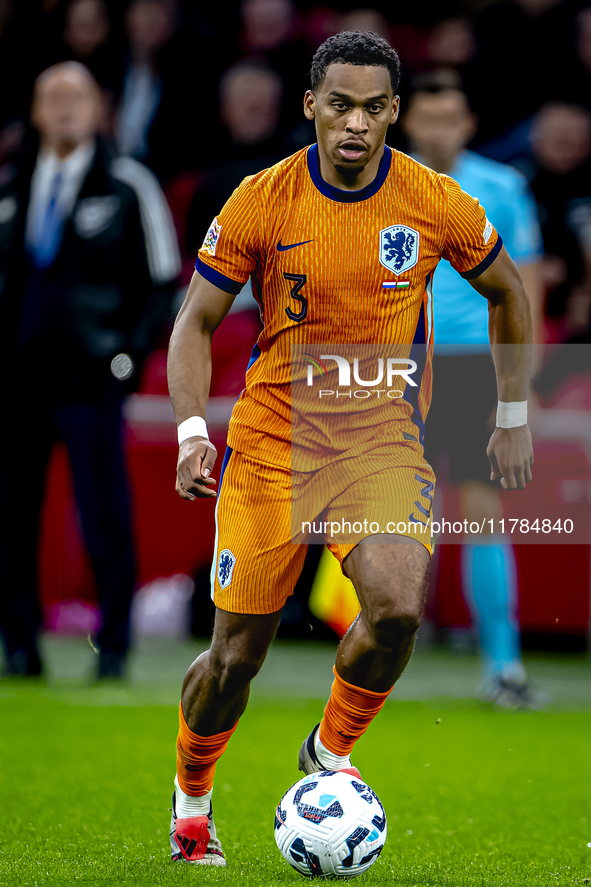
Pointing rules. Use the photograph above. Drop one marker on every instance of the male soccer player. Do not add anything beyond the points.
(439, 124)
(315, 233)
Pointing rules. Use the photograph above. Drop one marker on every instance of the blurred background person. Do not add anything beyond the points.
(88, 257)
(574, 78)
(87, 38)
(268, 26)
(561, 147)
(537, 45)
(439, 124)
(250, 95)
(154, 121)
(250, 99)
(365, 18)
(270, 34)
(149, 27)
(9, 52)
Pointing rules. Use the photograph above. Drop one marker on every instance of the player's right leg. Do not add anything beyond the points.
(216, 686)
(255, 569)
(215, 693)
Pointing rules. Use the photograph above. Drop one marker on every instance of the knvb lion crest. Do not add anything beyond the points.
(226, 564)
(399, 248)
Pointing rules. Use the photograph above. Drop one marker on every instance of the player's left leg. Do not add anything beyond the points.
(390, 581)
(391, 495)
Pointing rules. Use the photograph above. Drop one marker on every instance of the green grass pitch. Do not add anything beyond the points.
(480, 798)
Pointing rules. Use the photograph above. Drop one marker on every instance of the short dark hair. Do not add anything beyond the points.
(355, 48)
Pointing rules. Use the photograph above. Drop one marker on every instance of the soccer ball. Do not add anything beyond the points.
(330, 824)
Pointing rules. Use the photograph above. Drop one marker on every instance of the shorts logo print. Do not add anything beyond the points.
(226, 565)
(399, 248)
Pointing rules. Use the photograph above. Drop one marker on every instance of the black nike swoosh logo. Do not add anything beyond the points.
(282, 247)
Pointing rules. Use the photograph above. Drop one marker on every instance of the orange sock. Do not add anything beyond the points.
(348, 713)
(196, 757)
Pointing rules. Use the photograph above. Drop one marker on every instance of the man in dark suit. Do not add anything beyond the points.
(88, 260)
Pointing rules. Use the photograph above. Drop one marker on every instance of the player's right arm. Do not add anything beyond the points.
(189, 376)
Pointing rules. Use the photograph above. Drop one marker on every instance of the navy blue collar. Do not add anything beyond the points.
(348, 196)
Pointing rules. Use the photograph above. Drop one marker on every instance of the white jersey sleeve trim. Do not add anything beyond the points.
(162, 247)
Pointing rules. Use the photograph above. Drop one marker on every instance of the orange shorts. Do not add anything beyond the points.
(266, 515)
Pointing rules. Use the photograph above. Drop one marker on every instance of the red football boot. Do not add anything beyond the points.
(194, 840)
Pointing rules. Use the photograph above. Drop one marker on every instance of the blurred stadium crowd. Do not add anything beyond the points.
(205, 94)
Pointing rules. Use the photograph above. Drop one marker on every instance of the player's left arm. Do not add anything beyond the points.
(532, 281)
(510, 330)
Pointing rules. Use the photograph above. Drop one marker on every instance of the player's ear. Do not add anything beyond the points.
(310, 105)
(395, 109)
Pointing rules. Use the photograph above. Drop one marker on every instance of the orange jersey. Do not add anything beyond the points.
(333, 266)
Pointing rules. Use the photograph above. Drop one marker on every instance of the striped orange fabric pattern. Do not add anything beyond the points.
(316, 257)
(262, 510)
(348, 713)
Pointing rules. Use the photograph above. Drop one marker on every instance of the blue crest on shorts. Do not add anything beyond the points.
(226, 564)
(399, 248)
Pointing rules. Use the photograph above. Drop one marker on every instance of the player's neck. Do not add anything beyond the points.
(349, 180)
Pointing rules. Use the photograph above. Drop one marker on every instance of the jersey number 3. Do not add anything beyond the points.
(298, 282)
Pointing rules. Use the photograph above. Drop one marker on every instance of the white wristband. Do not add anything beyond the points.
(512, 415)
(192, 427)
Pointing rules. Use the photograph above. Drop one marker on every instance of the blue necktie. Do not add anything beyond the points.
(48, 227)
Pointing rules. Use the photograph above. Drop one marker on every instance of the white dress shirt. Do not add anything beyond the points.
(73, 168)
